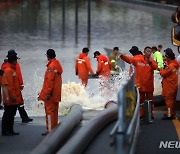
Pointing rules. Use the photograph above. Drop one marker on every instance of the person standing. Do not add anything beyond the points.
(103, 70)
(159, 48)
(104, 65)
(158, 57)
(144, 76)
(113, 58)
(51, 90)
(135, 53)
(15, 97)
(83, 66)
(170, 83)
(23, 114)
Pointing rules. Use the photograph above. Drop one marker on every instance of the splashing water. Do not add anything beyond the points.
(74, 93)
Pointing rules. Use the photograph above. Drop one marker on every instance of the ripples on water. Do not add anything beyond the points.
(31, 27)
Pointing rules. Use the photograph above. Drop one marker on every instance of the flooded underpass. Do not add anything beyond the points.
(30, 27)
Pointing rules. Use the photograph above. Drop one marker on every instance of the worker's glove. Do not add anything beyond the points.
(48, 97)
(13, 98)
(21, 87)
(150, 62)
(1, 72)
(165, 66)
(6, 101)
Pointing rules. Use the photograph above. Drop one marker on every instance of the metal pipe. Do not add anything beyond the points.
(89, 23)
(76, 22)
(56, 137)
(82, 138)
(89, 16)
(63, 20)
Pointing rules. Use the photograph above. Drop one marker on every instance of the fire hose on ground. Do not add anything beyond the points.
(86, 133)
(56, 137)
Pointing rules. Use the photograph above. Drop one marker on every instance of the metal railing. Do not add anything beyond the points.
(124, 134)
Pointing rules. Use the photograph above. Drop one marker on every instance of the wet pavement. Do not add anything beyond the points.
(30, 136)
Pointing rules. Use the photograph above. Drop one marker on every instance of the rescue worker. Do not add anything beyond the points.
(104, 65)
(83, 66)
(158, 57)
(159, 48)
(15, 97)
(144, 76)
(51, 90)
(103, 70)
(135, 53)
(23, 114)
(170, 83)
(113, 58)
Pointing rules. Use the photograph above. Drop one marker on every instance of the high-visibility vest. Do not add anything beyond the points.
(158, 57)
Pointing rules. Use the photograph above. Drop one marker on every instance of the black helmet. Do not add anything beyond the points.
(12, 53)
(116, 48)
(12, 58)
(169, 53)
(96, 53)
(134, 50)
(51, 53)
(85, 50)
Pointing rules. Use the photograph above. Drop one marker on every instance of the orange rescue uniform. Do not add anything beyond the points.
(170, 86)
(19, 76)
(103, 69)
(3, 80)
(83, 68)
(51, 92)
(144, 77)
(104, 66)
(14, 90)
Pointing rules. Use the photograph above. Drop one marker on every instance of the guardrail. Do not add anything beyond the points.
(124, 134)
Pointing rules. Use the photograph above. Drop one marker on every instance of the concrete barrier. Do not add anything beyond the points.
(54, 140)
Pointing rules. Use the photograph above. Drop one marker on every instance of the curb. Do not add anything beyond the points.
(151, 4)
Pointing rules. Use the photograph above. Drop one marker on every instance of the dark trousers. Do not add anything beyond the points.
(0, 96)
(22, 112)
(8, 118)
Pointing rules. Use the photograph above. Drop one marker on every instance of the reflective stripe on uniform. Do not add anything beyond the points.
(113, 61)
(80, 61)
(169, 112)
(49, 122)
(14, 74)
